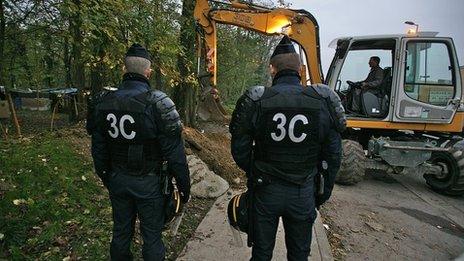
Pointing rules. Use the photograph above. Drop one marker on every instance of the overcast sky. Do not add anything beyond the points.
(368, 17)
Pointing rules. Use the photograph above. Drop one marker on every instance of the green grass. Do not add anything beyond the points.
(61, 208)
(51, 204)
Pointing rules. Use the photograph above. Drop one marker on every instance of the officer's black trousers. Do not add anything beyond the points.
(295, 204)
(133, 197)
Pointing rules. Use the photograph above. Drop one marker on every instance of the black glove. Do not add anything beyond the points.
(319, 201)
(184, 197)
(183, 185)
(105, 182)
(104, 176)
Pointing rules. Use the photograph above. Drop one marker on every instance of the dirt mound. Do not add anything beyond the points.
(214, 150)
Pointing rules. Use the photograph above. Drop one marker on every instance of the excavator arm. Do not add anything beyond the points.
(298, 25)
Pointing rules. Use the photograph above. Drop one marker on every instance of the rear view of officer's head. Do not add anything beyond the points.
(138, 60)
(284, 57)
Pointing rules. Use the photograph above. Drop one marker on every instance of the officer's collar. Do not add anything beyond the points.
(286, 76)
(135, 77)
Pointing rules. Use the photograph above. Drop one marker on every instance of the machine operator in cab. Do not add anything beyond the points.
(371, 83)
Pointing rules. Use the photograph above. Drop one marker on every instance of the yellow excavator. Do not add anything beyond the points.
(413, 119)
(299, 25)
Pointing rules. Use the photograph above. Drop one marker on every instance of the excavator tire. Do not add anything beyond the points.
(451, 182)
(352, 169)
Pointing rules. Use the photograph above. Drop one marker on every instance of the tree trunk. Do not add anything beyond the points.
(96, 75)
(48, 59)
(2, 43)
(12, 77)
(186, 92)
(67, 62)
(21, 51)
(157, 75)
(78, 69)
(77, 38)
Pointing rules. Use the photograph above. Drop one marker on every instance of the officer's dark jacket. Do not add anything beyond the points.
(116, 148)
(252, 129)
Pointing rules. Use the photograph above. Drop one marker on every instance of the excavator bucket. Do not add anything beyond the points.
(210, 107)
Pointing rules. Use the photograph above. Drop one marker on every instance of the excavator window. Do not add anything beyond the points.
(428, 73)
(356, 68)
(372, 100)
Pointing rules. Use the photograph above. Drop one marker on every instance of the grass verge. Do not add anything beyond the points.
(51, 203)
(54, 207)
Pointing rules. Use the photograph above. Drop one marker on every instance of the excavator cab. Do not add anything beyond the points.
(421, 79)
(413, 119)
(351, 66)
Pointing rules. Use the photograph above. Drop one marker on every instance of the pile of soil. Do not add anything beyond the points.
(214, 150)
(212, 146)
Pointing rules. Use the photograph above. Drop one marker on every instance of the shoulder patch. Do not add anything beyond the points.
(334, 103)
(323, 90)
(255, 92)
(166, 108)
(311, 92)
(101, 95)
(156, 96)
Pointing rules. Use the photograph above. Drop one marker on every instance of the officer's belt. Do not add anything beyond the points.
(154, 169)
(272, 176)
(136, 158)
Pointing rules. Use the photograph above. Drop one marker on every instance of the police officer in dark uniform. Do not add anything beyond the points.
(133, 130)
(280, 138)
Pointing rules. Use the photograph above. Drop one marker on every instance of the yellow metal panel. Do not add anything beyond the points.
(305, 34)
(455, 126)
(367, 124)
(277, 21)
(201, 14)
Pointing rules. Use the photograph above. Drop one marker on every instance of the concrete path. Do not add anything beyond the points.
(214, 240)
(395, 217)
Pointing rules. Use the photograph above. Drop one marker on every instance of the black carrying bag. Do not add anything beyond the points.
(172, 202)
(237, 211)
(241, 209)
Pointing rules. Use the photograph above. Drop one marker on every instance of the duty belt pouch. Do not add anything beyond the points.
(260, 180)
(135, 157)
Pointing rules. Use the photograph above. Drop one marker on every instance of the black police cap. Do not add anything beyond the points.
(138, 51)
(285, 46)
